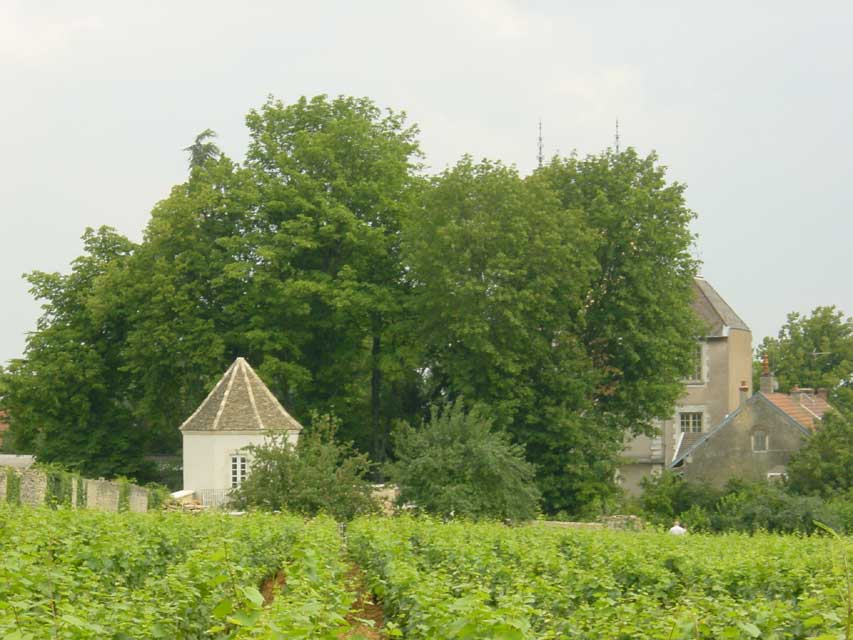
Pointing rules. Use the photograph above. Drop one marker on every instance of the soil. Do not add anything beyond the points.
(272, 586)
(365, 617)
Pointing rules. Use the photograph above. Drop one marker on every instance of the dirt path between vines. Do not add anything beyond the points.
(365, 617)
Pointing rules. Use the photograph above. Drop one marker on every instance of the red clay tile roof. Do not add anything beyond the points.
(809, 409)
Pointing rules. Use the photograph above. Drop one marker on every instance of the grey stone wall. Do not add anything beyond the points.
(102, 495)
(138, 499)
(33, 487)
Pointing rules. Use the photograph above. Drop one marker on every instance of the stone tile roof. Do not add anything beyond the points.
(715, 311)
(806, 409)
(240, 401)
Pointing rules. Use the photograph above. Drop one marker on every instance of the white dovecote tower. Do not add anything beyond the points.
(238, 412)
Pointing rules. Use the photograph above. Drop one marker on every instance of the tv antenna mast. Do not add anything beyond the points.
(617, 135)
(541, 155)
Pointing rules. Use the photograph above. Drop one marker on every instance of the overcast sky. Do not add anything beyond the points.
(749, 104)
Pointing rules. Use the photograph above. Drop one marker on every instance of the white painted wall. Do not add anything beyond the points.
(207, 458)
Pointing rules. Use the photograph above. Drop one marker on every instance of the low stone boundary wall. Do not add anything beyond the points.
(35, 487)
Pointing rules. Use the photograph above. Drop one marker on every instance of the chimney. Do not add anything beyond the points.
(768, 381)
(743, 391)
(798, 394)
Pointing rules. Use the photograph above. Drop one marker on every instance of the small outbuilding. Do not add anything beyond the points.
(240, 411)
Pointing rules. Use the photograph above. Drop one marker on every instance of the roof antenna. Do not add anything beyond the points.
(541, 155)
(617, 135)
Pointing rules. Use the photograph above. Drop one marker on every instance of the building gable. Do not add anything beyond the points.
(755, 440)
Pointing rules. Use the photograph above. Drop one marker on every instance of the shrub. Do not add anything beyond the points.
(318, 475)
(456, 464)
(667, 496)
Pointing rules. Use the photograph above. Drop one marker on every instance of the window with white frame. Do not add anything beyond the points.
(690, 421)
(239, 469)
(759, 441)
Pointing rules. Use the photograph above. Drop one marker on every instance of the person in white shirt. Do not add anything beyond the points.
(677, 529)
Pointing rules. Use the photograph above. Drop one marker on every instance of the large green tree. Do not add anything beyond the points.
(562, 301)
(814, 351)
(68, 397)
(824, 465)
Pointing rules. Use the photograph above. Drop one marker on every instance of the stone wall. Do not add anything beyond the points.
(100, 494)
(138, 499)
(33, 487)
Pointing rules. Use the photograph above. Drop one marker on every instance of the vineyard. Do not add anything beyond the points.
(79, 574)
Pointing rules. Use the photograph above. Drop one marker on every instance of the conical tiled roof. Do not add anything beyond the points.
(240, 401)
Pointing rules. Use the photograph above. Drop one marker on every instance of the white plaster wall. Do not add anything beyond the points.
(207, 457)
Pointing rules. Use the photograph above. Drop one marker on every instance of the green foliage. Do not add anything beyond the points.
(81, 492)
(13, 486)
(355, 286)
(67, 398)
(202, 150)
(124, 485)
(158, 494)
(59, 481)
(75, 575)
(824, 465)
(456, 464)
(484, 580)
(814, 351)
(318, 475)
(667, 496)
(740, 506)
(561, 301)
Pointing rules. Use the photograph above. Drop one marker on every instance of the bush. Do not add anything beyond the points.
(158, 494)
(456, 465)
(824, 465)
(318, 475)
(667, 497)
(13, 486)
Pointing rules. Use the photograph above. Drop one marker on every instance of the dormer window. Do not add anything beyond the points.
(759, 441)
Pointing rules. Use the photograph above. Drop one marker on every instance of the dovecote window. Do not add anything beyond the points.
(239, 469)
(759, 441)
(690, 421)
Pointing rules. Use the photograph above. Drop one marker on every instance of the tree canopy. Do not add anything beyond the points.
(357, 285)
(457, 465)
(813, 351)
(824, 465)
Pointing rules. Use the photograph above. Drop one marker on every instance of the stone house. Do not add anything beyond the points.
(722, 373)
(756, 441)
(240, 411)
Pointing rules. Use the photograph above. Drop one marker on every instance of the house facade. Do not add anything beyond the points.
(721, 378)
(756, 441)
(239, 412)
